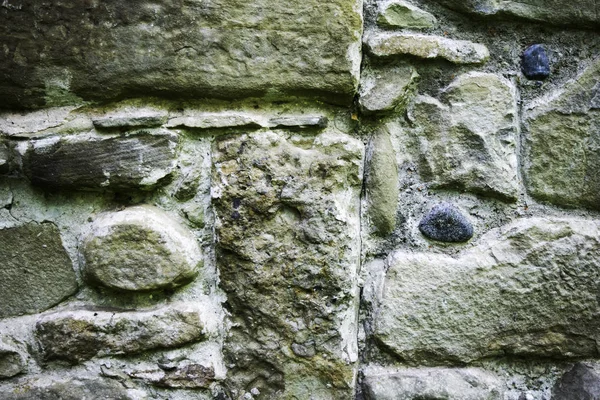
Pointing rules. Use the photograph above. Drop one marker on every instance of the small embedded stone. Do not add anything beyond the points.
(445, 223)
(535, 64)
(140, 248)
(12, 361)
(401, 14)
(580, 382)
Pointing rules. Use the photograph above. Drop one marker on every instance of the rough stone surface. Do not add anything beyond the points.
(529, 289)
(79, 335)
(401, 14)
(387, 89)
(222, 48)
(36, 272)
(424, 46)
(287, 250)
(4, 158)
(191, 376)
(562, 141)
(130, 117)
(431, 383)
(70, 389)
(469, 141)
(560, 12)
(12, 360)
(213, 120)
(140, 248)
(298, 121)
(142, 160)
(446, 223)
(382, 183)
(579, 383)
(534, 63)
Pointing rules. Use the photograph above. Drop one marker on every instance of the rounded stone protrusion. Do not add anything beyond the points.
(140, 248)
(445, 223)
(535, 64)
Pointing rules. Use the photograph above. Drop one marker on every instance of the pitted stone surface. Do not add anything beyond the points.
(142, 161)
(388, 44)
(221, 48)
(79, 335)
(562, 141)
(431, 383)
(529, 289)
(446, 223)
(140, 248)
(36, 272)
(468, 141)
(287, 247)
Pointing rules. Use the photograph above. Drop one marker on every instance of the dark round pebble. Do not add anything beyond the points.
(445, 223)
(535, 64)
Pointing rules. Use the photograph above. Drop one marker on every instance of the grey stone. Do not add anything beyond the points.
(140, 248)
(401, 14)
(579, 383)
(387, 89)
(190, 376)
(382, 183)
(24, 123)
(12, 360)
(287, 248)
(78, 388)
(130, 117)
(446, 223)
(140, 161)
(468, 141)
(580, 13)
(194, 49)
(78, 335)
(4, 158)
(299, 121)
(389, 44)
(561, 143)
(431, 383)
(529, 289)
(215, 120)
(36, 272)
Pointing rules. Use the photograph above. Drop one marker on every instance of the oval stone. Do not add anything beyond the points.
(535, 64)
(140, 248)
(445, 223)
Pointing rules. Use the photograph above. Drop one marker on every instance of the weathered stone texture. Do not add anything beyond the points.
(191, 376)
(562, 146)
(36, 272)
(468, 142)
(12, 360)
(142, 161)
(579, 383)
(402, 14)
(79, 335)
(70, 389)
(130, 117)
(390, 44)
(387, 89)
(431, 383)
(4, 157)
(288, 246)
(382, 183)
(528, 289)
(560, 12)
(58, 52)
(140, 248)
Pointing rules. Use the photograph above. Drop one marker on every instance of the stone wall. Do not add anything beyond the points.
(369, 200)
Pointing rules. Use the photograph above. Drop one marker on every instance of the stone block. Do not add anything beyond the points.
(387, 89)
(402, 14)
(36, 272)
(78, 335)
(140, 248)
(12, 360)
(528, 289)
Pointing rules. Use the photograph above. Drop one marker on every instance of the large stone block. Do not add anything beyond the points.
(142, 161)
(468, 140)
(79, 335)
(140, 248)
(562, 143)
(560, 12)
(55, 52)
(431, 383)
(288, 249)
(528, 289)
(36, 272)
